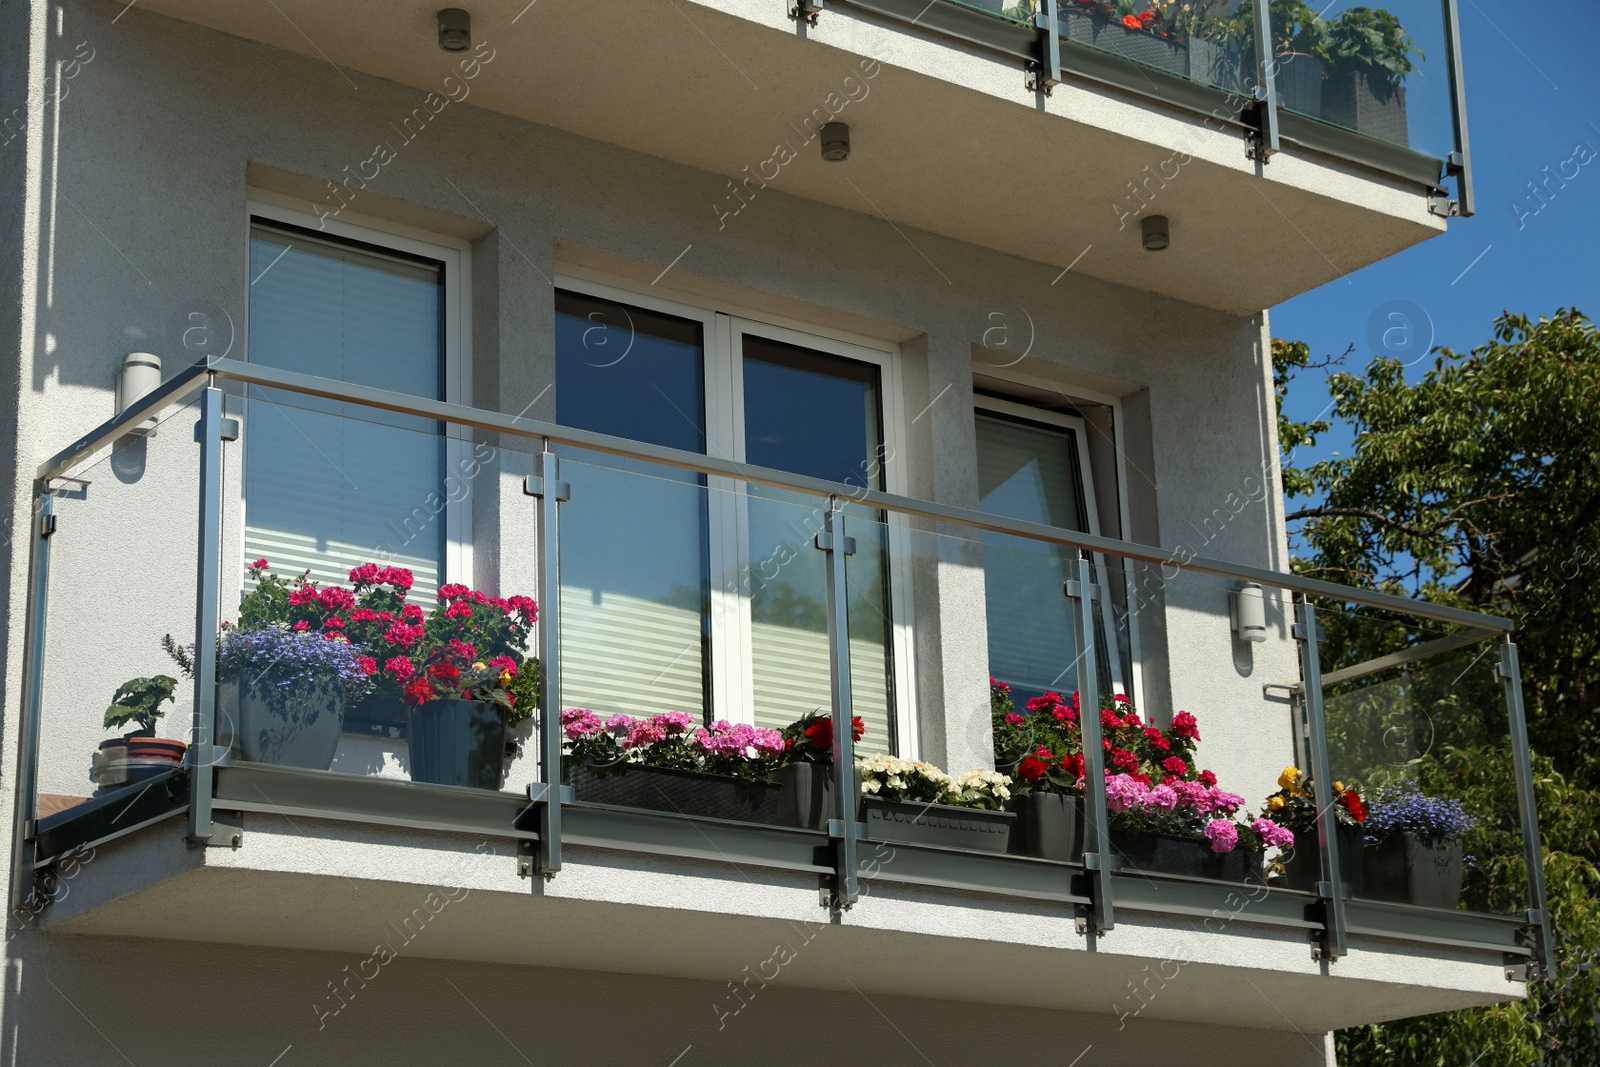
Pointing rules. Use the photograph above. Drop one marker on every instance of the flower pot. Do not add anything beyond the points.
(937, 824)
(264, 726)
(134, 758)
(1299, 83)
(1367, 105)
(1414, 869)
(1302, 867)
(1187, 856)
(711, 796)
(457, 742)
(1221, 65)
(1049, 826)
(1110, 35)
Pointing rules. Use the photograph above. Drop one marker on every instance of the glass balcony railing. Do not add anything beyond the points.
(1376, 83)
(421, 614)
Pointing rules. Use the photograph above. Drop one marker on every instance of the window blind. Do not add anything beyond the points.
(325, 491)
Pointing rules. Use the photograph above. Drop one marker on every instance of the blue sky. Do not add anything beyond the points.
(1533, 95)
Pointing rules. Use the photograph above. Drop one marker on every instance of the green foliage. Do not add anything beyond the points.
(1477, 485)
(524, 692)
(139, 701)
(1372, 42)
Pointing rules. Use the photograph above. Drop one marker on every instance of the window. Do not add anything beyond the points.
(325, 486)
(705, 594)
(1032, 465)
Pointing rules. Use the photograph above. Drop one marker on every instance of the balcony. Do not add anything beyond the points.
(141, 535)
(1045, 130)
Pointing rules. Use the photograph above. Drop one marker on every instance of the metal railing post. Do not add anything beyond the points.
(1460, 161)
(1048, 22)
(1335, 942)
(203, 730)
(1510, 671)
(27, 780)
(1267, 86)
(1098, 856)
(551, 491)
(836, 545)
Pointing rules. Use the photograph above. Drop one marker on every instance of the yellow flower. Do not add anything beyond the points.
(1289, 777)
(1275, 803)
(1338, 787)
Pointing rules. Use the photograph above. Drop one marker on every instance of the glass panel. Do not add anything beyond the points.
(341, 311)
(1202, 40)
(635, 598)
(283, 701)
(1378, 70)
(1426, 745)
(629, 372)
(814, 414)
(122, 577)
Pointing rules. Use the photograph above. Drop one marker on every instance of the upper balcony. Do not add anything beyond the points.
(843, 598)
(1284, 147)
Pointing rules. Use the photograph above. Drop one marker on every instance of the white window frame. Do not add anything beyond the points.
(723, 327)
(1080, 433)
(456, 257)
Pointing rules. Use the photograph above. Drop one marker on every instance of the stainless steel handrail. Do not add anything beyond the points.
(551, 433)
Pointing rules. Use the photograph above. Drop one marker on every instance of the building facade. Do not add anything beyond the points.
(578, 308)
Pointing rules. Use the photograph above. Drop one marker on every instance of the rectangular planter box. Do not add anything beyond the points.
(1302, 868)
(1165, 854)
(674, 792)
(806, 795)
(1299, 83)
(937, 824)
(1368, 106)
(1109, 35)
(1049, 826)
(1413, 869)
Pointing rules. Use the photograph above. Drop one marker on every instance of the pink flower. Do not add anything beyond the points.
(401, 634)
(578, 722)
(619, 721)
(452, 591)
(1221, 800)
(398, 577)
(1272, 834)
(1013, 718)
(363, 615)
(302, 595)
(337, 598)
(366, 573)
(457, 609)
(411, 613)
(400, 667)
(1223, 835)
(502, 663)
(1163, 797)
(1123, 792)
(464, 649)
(334, 621)
(260, 565)
(302, 625)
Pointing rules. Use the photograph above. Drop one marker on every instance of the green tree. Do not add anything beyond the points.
(1479, 485)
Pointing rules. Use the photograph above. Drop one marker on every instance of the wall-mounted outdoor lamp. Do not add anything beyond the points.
(835, 141)
(455, 30)
(141, 376)
(1249, 611)
(1156, 234)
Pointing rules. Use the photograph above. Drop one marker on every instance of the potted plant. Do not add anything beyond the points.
(1039, 753)
(1369, 57)
(806, 777)
(1138, 31)
(916, 803)
(450, 672)
(283, 693)
(1414, 847)
(139, 754)
(1294, 807)
(1187, 828)
(666, 763)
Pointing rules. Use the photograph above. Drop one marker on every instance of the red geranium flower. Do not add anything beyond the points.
(1125, 759)
(1175, 764)
(1074, 764)
(1207, 778)
(1132, 22)
(1032, 767)
(1352, 804)
(445, 671)
(418, 691)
